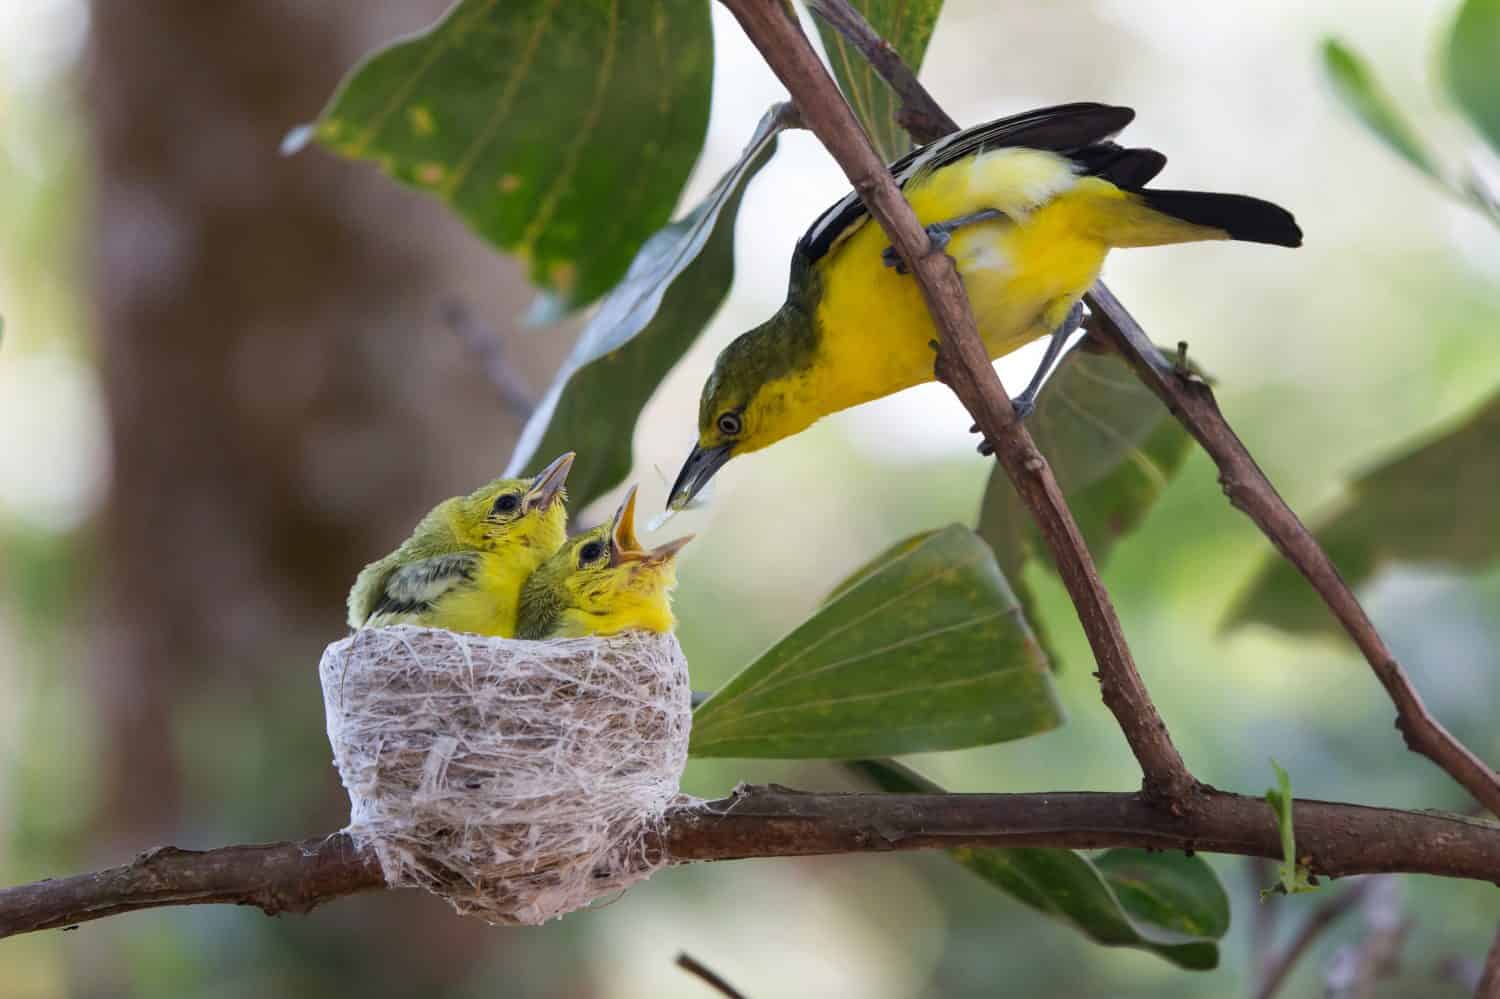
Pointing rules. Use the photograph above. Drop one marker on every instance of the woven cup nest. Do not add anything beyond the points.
(519, 780)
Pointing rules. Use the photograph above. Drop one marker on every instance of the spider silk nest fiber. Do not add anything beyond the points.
(519, 780)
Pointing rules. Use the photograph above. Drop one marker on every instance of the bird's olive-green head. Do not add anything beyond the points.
(512, 514)
(602, 582)
(757, 394)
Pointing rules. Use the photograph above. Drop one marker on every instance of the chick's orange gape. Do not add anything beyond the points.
(1028, 207)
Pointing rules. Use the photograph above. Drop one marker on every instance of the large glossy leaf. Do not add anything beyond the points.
(1434, 506)
(560, 131)
(642, 328)
(1356, 85)
(1473, 66)
(907, 25)
(1167, 903)
(927, 650)
(1114, 449)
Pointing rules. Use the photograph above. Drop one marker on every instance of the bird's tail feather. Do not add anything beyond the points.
(1155, 218)
(1242, 217)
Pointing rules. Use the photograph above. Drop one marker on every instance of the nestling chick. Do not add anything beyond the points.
(463, 567)
(602, 583)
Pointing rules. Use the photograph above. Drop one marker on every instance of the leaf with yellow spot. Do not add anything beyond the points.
(562, 128)
(640, 330)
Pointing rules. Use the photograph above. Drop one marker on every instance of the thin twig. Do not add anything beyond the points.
(1264, 918)
(1355, 968)
(966, 368)
(919, 114)
(1192, 402)
(487, 345)
(692, 965)
(1280, 964)
(1489, 979)
(1336, 839)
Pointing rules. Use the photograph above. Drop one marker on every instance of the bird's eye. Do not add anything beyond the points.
(730, 424)
(507, 503)
(589, 553)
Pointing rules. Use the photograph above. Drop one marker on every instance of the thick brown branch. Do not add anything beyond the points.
(967, 370)
(1192, 402)
(775, 822)
(275, 878)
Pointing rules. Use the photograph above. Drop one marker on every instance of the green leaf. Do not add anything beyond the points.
(926, 651)
(1473, 66)
(1114, 449)
(907, 25)
(642, 328)
(1170, 904)
(562, 132)
(1433, 506)
(1363, 94)
(1291, 875)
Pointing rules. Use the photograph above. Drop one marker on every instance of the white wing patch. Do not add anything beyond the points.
(1018, 181)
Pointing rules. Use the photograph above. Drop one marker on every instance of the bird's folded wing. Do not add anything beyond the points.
(415, 587)
(1064, 128)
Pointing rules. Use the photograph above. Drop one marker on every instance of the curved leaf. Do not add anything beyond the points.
(926, 651)
(643, 327)
(1362, 93)
(1434, 505)
(1473, 66)
(1114, 449)
(907, 25)
(1170, 904)
(561, 131)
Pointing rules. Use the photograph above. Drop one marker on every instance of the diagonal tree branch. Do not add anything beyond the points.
(1335, 839)
(1192, 402)
(966, 368)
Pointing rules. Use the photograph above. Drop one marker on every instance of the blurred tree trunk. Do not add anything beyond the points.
(283, 400)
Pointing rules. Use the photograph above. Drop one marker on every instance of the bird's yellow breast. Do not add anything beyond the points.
(1022, 273)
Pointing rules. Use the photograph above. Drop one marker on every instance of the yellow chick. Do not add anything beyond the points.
(602, 583)
(463, 567)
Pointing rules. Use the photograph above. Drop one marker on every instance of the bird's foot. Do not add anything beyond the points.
(939, 234)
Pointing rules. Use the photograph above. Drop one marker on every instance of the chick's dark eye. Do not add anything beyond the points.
(730, 424)
(589, 552)
(508, 503)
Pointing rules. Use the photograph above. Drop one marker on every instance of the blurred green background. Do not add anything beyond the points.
(225, 385)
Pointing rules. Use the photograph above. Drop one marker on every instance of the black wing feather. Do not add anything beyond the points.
(1079, 131)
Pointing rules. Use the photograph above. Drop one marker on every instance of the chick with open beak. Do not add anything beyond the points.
(602, 582)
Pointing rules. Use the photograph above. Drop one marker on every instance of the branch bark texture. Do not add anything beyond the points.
(966, 368)
(1335, 839)
(1192, 402)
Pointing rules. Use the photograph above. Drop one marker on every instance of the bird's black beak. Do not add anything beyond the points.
(696, 471)
(548, 484)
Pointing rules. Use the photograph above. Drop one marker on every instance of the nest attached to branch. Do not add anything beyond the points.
(518, 780)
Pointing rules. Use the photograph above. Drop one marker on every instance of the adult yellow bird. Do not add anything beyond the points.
(463, 567)
(1027, 206)
(602, 583)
